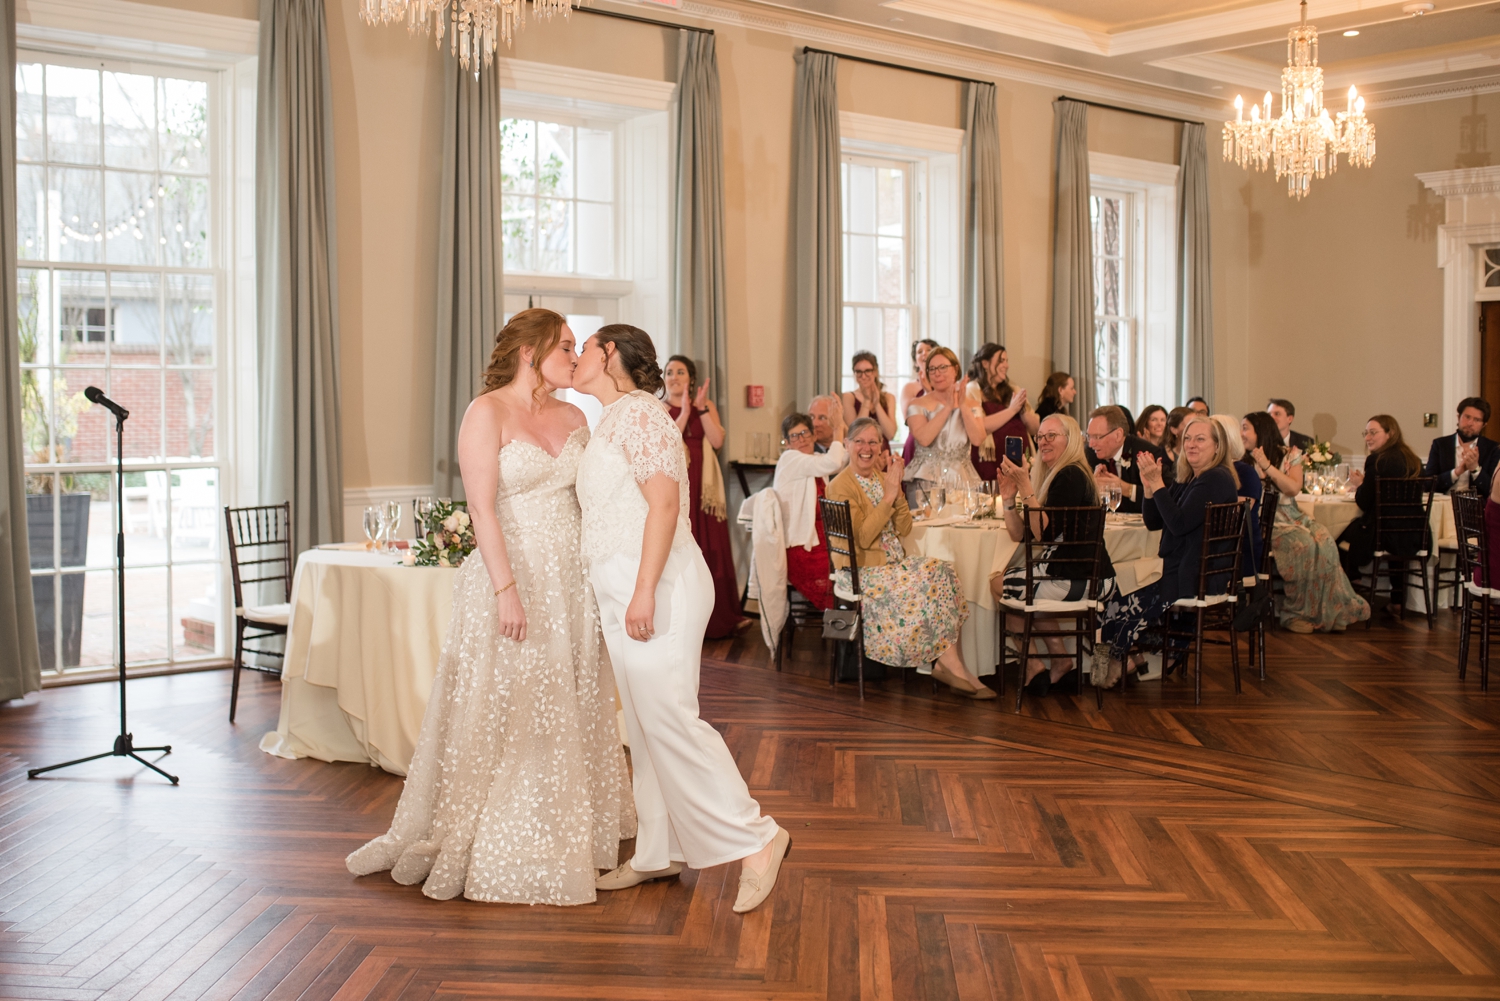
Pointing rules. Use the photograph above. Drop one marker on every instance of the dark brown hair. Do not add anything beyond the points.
(538, 329)
(1001, 393)
(869, 356)
(1267, 436)
(636, 352)
(1052, 391)
(692, 371)
(1143, 422)
(791, 421)
(1394, 441)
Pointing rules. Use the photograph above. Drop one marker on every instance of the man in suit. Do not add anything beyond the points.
(1283, 413)
(1465, 460)
(1112, 451)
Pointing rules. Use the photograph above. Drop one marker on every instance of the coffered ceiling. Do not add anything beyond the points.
(1216, 48)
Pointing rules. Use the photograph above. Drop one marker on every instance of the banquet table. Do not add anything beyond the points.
(980, 549)
(362, 649)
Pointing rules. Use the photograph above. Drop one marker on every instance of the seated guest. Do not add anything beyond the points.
(917, 387)
(1171, 445)
(1465, 460)
(1004, 409)
(1283, 412)
(801, 478)
(1057, 395)
(1388, 457)
(1129, 418)
(1204, 476)
(869, 398)
(827, 415)
(913, 607)
(944, 426)
(1197, 405)
(1250, 489)
(1059, 477)
(1318, 595)
(1152, 425)
(1492, 529)
(1112, 451)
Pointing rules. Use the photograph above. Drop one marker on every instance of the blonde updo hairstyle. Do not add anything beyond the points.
(538, 329)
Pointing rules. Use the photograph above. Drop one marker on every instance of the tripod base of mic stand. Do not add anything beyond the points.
(124, 748)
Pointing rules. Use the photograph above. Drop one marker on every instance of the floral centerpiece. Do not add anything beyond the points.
(447, 537)
(1319, 455)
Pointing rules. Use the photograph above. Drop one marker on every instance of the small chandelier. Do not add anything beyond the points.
(476, 23)
(1305, 140)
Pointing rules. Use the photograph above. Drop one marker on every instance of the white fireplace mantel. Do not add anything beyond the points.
(1471, 200)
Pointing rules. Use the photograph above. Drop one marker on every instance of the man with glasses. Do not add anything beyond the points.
(827, 413)
(1466, 459)
(1113, 450)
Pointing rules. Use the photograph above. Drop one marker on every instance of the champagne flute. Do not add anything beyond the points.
(373, 526)
(392, 522)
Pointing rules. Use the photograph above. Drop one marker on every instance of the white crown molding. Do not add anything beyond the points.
(1128, 168)
(897, 132)
(1463, 183)
(1225, 68)
(1427, 93)
(159, 31)
(520, 283)
(585, 88)
(1016, 20)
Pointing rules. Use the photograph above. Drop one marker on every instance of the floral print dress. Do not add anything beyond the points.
(913, 606)
(1307, 557)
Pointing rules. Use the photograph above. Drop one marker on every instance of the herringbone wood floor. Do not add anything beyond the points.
(1333, 832)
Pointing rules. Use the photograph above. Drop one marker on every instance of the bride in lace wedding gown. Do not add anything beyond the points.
(518, 790)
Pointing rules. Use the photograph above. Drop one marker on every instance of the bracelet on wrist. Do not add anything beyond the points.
(505, 588)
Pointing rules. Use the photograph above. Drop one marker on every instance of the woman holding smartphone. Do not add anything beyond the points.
(1002, 410)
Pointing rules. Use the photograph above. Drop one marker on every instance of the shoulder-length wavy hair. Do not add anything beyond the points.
(1073, 454)
(1000, 392)
(1395, 442)
(1267, 436)
(1221, 449)
(537, 329)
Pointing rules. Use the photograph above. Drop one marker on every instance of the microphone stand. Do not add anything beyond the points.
(125, 742)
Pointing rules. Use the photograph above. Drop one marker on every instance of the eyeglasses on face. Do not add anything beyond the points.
(867, 370)
(866, 442)
(1370, 432)
(941, 366)
(1052, 436)
(799, 436)
(1100, 437)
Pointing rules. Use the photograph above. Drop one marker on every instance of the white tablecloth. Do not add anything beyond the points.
(361, 652)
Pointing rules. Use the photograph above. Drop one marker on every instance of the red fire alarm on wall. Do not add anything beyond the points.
(755, 396)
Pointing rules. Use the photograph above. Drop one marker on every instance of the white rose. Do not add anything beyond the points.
(462, 517)
(451, 522)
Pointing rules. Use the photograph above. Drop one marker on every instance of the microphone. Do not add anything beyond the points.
(96, 395)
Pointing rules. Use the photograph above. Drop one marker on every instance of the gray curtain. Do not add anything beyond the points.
(20, 667)
(1073, 256)
(1195, 303)
(699, 244)
(817, 209)
(470, 260)
(297, 345)
(984, 271)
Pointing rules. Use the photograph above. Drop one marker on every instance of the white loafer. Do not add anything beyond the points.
(625, 877)
(755, 888)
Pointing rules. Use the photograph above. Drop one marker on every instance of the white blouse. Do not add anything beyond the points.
(634, 440)
(796, 484)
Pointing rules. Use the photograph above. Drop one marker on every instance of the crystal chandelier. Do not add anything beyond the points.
(476, 23)
(1305, 140)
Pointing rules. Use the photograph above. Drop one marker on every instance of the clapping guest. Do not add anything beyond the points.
(1283, 412)
(1173, 445)
(1057, 395)
(1318, 595)
(915, 388)
(944, 426)
(1152, 425)
(1250, 488)
(1387, 457)
(870, 399)
(697, 418)
(1059, 477)
(1113, 450)
(1006, 414)
(1465, 460)
(827, 414)
(913, 607)
(801, 478)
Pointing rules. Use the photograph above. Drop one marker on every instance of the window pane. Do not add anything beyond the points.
(135, 308)
(73, 114)
(554, 235)
(190, 413)
(891, 210)
(129, 120)
(130, 237)
(31, 213)
(146, 614)
(860, 269)
(139, 391)
(595, 165)
(31, 140)
(197, 519)
(81, 325)
(35, 339)
(1107, 287)
(148, 519)
(73, 206)
(891, 265)
(97, 646)
(195, 610)
(896, 331)
(554, 159)
(190, 320)
(39, 525)
(518, 219)
(183, 129)
(184, 221)
(1109, 227)
(860, 217)
(596, 239)
(81, 431)
(518, 155)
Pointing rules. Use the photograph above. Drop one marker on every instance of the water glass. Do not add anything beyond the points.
(374, 525)
(920, 498)
(1115, 496)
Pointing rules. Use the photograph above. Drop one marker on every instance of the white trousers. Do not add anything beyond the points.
(692, 802)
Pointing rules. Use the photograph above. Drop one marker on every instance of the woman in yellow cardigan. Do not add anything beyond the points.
(913, 608)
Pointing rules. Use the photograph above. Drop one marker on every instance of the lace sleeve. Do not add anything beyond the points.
(650, 439)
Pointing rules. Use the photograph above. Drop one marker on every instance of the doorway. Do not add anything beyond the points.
(1489, 360)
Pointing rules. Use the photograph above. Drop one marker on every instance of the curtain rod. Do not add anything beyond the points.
(893, 66)
(1128, 111)
(640, 20)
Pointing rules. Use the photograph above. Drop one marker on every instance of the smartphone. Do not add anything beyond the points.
(1015, 449)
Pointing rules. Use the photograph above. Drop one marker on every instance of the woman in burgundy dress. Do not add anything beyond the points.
(703, 433)
(1005, 411)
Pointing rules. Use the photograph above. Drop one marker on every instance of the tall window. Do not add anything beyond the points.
(118, 285)
(1111, 213)
(558, 210)
(880, 286)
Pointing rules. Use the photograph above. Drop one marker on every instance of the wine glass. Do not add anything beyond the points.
(919, 496)
(420, 509)
(1115, 496)
(374, 525)
(939, 495)
(392, 522)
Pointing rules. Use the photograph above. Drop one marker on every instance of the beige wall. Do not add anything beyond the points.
(1345, 296)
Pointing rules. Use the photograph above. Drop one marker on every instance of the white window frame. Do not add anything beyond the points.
(1151, 243)
(935, 229)
(121, 33)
